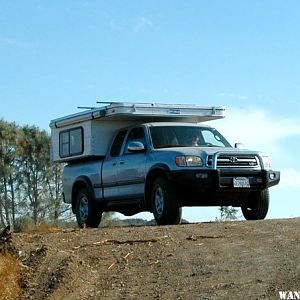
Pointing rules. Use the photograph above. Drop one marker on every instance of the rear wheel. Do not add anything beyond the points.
(257, 205)
(87, 212)
(165, 203)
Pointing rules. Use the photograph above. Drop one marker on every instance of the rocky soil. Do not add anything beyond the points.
(221, 260)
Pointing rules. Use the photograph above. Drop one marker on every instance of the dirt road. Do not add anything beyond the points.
(222, 260)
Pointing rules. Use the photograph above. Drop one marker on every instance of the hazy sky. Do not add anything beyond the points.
(57, 55)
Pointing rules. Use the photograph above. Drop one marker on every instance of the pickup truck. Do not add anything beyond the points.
(161, 167)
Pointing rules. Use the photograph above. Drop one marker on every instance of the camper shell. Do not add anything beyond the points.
(88, 134)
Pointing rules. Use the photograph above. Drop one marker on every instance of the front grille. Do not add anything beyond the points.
(234, 161)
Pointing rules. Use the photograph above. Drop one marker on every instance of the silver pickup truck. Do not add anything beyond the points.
(161, 167)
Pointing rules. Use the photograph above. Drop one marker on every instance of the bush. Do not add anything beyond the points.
(228, 213)
(24, 224)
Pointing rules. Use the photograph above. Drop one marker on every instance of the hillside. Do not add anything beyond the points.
(222, 260)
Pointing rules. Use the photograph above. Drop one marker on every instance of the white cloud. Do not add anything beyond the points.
(142, 23)
(233, 96)
(139, 25)
(257, 128)
(290, 178)
(115, 26)
(11, 42)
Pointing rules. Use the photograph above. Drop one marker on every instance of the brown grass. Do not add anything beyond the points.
(10, 272)
(42, 228)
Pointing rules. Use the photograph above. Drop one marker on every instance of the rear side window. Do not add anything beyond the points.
(117, 143)
(71, 142)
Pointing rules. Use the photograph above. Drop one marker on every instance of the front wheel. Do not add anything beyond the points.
(165, 203)
(257, 205)
(87, 212)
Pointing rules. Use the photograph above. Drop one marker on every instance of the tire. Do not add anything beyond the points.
(87, 212)
(165, 203)
(257, 205)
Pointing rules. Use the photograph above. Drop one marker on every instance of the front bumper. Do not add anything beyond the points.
(224, 179)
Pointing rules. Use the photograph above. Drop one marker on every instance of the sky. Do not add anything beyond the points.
(58, 55)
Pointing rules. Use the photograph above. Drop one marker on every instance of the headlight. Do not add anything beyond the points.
(188, 161)
(267, 162)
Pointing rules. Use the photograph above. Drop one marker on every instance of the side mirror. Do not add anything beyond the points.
(136, 146)
(239, 146)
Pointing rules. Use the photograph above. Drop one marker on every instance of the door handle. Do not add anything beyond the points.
(121, 162)
(114, 164)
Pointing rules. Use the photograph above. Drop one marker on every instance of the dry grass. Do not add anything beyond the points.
(44, 228)
(10, 272)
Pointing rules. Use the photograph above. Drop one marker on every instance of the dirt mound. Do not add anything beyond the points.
(224, 260)
(10, 267)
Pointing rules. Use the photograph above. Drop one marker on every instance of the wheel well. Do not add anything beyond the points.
(153, 174)
(78, 185)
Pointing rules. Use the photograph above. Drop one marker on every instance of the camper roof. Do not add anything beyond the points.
(144, 112)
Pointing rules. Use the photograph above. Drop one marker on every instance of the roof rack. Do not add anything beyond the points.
(144, 112)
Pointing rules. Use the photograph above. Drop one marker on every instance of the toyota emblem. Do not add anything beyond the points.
(233, 159)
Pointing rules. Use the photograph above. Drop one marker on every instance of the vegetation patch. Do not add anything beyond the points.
(10, 273)
(10, 267)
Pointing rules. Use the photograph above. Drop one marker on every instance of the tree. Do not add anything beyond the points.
(56, 208)
(34, 157)
(30, 186)
(228, 213)
(8, 161)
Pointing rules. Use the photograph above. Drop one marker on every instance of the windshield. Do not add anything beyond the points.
(186, 136)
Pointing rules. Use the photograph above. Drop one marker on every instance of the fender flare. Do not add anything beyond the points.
(153, 172)
(81, 182)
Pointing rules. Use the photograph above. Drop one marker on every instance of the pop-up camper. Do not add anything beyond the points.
(89, 133)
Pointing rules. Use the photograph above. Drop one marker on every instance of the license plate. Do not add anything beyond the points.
(241, 182)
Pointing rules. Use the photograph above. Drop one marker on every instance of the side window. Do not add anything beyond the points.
(136, 134)
(71, 142)
(117, 143)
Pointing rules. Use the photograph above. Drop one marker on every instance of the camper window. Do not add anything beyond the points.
(71, 142)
